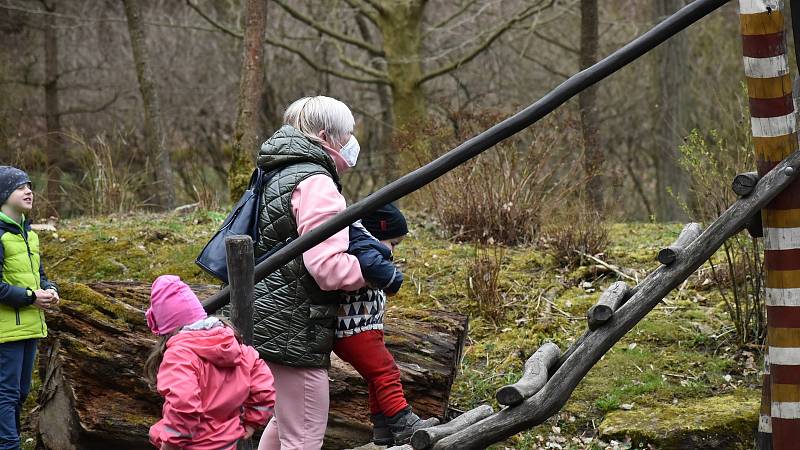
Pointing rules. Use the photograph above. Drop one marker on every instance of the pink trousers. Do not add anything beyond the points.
(301, 409)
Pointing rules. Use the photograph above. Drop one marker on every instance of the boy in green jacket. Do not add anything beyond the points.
(25, 292)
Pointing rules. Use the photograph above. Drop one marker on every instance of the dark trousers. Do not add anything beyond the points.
(367, 353)
(16, 369)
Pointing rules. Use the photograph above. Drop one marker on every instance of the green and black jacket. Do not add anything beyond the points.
(21, 274)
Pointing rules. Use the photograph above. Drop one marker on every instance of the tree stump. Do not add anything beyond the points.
(93, 396)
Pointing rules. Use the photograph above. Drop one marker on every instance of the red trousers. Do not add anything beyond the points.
(367, 353)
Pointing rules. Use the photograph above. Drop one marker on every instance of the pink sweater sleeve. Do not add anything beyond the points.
(314, 201)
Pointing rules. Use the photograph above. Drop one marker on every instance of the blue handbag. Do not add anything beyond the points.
(242, 220)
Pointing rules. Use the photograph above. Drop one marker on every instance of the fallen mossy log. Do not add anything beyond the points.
(93, 396)
(587, 350)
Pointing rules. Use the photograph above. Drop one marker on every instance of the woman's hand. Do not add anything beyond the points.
(248, 431)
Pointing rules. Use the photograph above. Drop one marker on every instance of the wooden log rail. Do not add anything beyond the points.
(611, 300)
(576, 362)
(534, 376)
(426, 438)
(671, 254)
(744, 183)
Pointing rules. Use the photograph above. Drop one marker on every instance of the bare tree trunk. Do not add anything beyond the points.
(587, 100)
(672, 71)
(153, 131)
(251, 86)
(52, 110)
(384, 144)
(401, 28)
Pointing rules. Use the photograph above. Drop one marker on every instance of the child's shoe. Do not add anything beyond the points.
(381, 435)
(403, 424)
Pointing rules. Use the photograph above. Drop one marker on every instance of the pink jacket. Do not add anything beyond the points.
(212, 386)
(314, 201)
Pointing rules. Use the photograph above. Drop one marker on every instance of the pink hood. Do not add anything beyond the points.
(217, 346)
(212, 386)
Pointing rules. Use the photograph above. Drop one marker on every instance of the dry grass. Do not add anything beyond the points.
(483, 275)
(110, 182)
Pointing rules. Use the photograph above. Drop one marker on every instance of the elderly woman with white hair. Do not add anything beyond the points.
(295, 307)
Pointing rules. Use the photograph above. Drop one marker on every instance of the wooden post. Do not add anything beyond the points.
(612, 298)
(670, 254)
(427, 437)
(535, 376)
(239, 252)
(744, 183)
(774, 127)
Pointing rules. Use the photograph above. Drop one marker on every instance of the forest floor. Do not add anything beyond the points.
(682, 353)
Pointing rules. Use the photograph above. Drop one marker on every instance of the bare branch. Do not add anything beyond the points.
(499, 31)
(455, 14)
(548, 68)
(326, 30)
(225, 29)
(365, 9)
(558, 44)
(363, 67)
(377, 5)
(96, 109)
(321, 68)
(85, 19)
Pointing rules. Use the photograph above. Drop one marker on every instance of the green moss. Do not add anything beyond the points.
(82, 298)
(726, 421)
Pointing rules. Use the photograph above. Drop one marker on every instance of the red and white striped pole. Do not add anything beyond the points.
(774, 127)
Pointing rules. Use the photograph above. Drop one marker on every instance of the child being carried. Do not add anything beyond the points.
(359, 333)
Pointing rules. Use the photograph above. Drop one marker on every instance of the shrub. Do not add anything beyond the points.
(738, 269)
(503, 193)
(578, 233)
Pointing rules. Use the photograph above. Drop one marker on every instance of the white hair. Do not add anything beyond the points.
(311, 115)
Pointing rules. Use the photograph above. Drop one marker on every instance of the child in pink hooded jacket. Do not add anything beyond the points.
(216, 390)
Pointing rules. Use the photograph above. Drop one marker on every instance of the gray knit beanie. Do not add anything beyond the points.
(10, 179)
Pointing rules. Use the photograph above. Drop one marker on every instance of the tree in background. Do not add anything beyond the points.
(671, 79)
(592, 153)
(153, 131)
(54, 145)
(249, 130)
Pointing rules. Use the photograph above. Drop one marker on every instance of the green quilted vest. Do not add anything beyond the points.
(294, 320)
(20, 268)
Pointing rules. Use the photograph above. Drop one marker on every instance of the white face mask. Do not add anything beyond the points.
(350, 151)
